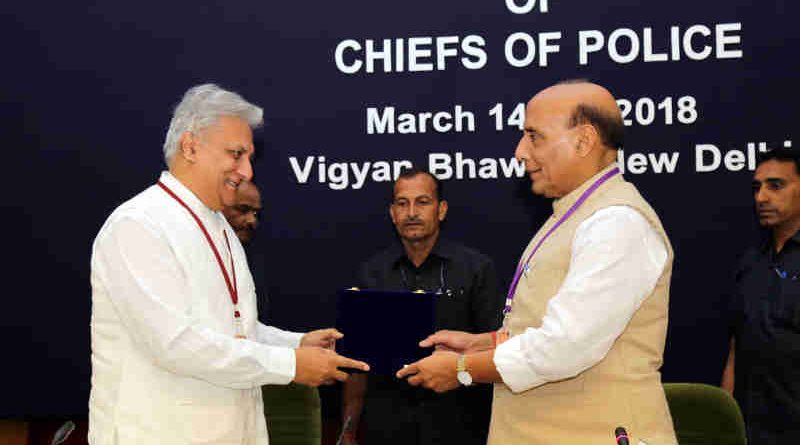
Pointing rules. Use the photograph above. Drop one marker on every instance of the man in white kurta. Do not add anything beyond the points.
(587, 310)
(176, 358)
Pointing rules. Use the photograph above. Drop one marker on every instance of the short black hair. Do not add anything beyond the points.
(609, 126)
(780, 154)
(410, 172)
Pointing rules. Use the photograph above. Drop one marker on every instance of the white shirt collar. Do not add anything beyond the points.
(188, 197)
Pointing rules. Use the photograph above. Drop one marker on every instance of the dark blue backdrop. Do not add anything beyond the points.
(86, 93)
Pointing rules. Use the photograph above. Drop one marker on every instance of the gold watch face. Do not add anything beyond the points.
(464, 378)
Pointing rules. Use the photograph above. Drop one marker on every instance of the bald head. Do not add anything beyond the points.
(591, 104)
(572, 130)
(243, 214)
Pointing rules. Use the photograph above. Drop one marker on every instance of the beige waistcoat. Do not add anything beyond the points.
(623, 389)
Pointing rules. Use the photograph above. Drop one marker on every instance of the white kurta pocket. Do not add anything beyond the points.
(210, 424)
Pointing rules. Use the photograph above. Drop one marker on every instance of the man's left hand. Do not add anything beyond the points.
(322, 338)
(437, 372)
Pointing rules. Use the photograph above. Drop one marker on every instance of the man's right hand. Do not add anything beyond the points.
(459, 342)
(315, 366)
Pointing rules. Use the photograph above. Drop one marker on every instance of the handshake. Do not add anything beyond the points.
(317, 363)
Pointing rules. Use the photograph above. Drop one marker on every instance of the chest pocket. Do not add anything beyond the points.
(786, 316)
(453, 309)
(783, 304)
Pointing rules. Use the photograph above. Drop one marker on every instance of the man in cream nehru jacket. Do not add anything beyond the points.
(586, 316)
(178, 356)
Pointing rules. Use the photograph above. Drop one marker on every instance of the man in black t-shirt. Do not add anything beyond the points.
(393, 411)
(763, 369)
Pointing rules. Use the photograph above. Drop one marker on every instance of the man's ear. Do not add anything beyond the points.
(442, 210)
(586, 139)
(188, 144)
(391, 214)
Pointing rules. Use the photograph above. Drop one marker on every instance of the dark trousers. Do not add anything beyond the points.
(396, 413)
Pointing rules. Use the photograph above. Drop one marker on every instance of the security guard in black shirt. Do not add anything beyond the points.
(763, 369)
(393, 411)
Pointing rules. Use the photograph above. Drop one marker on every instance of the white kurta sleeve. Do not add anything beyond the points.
(270, 335)
(617, 258)
(150, 295)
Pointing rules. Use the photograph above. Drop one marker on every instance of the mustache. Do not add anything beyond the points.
(411, 221)
(245, 228)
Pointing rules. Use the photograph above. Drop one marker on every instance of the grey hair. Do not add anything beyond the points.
(201, 107)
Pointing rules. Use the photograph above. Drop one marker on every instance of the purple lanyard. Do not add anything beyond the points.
(523, 265)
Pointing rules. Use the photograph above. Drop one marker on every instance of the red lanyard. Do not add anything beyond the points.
(230, 283)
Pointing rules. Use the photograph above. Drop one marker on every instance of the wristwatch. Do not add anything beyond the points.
(463, 375)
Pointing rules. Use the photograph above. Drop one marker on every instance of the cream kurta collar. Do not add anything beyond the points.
(563, 204)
